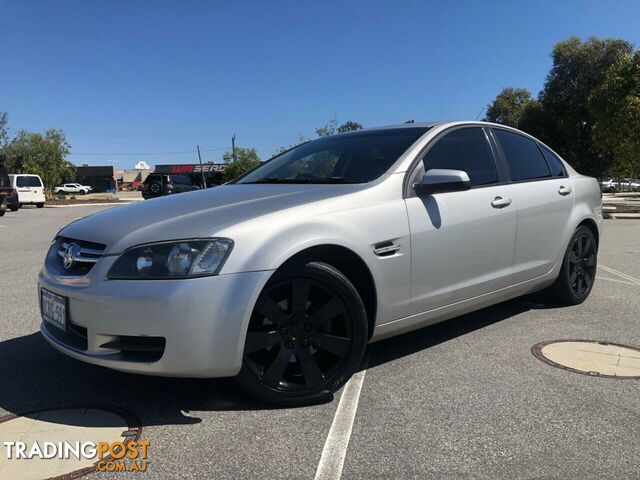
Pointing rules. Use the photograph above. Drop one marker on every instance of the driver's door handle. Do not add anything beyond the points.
(500, 202)
(564, 190)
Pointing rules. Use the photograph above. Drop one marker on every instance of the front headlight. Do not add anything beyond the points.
(176, 259)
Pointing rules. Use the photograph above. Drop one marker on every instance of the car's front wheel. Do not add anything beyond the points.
(578, 272)
(306, 337)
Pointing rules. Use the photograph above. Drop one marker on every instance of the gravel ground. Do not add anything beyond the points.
(462, 399)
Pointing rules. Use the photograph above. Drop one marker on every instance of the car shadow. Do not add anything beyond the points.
(417, 340)
(34, 376)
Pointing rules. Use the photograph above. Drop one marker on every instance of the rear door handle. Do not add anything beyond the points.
(564, 190)
(500, 202)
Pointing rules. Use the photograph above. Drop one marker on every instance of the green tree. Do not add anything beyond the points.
(349, 126)
(615, 107)
(329, 128)
(579, 68)
(508, 106)
(41, 154)
(245, 160)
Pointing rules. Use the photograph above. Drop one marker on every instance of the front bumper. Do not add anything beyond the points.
(203, 321)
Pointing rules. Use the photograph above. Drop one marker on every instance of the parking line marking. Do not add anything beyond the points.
(620, 274)
(337, 442)
(615, 280)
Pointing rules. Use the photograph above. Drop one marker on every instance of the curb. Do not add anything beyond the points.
(622, 216)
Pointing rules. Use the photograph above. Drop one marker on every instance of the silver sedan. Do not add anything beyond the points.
(284, 275)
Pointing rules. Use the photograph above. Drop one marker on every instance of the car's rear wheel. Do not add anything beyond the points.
(13, 208)
(155, 188)
(306, 337)
(578, 272)
(40, 205)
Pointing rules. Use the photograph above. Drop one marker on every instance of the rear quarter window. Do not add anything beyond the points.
(557, 168)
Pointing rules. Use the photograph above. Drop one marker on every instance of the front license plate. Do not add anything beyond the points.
(54, 308)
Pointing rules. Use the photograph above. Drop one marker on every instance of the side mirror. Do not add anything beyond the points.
(441, 181)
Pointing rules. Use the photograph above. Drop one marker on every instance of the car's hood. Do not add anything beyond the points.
(194, 214)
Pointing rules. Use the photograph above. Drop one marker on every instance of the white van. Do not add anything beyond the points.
(30, 189)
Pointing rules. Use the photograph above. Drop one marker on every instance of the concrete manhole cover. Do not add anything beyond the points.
(599, 359)
(55, 434)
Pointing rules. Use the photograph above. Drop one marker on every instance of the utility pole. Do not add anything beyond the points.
(202, 180)
(233, 147)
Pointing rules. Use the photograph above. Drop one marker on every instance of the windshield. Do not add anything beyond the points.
(356, 157)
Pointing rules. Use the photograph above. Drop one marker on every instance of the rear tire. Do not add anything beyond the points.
(40, 205)
(578, 272)
(2, 212)
(14, 209)
(307, 335)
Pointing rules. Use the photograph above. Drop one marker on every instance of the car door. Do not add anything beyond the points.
(462, 242)
(544, 196)
(23, 186)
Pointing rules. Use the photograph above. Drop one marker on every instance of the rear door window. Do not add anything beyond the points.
(523, 156)
(465, 149)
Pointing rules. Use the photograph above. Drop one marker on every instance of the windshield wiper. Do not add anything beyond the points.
(281, 180)
(331, 180)
(303, 180)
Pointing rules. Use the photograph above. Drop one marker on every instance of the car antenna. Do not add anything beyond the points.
(410, 121)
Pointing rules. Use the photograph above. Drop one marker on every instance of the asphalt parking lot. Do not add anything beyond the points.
(462, 399)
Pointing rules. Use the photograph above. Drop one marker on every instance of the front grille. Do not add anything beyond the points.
(75, 257)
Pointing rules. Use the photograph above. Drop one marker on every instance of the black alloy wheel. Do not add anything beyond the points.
(306, 337)
(578, 271)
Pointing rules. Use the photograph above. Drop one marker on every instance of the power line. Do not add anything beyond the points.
(186, 152)
(146, 153)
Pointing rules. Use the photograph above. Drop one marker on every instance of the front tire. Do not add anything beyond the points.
(306, 337)
(578, 272)
(40, 205)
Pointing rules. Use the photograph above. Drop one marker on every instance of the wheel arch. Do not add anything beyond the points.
(593, 226)
(350, 264)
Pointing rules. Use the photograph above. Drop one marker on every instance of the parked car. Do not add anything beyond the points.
(620, 185)
(30, 189)
(283, 276)
(11, 199)
(72, 188)
(5, 188)
(158, 185)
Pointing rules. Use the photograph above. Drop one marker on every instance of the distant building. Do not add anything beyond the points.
(100, 178)
(132, 179)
